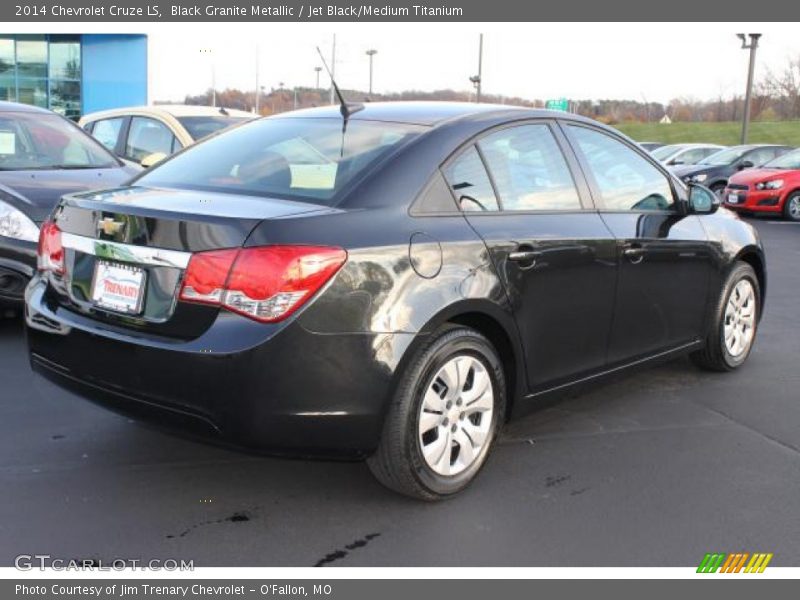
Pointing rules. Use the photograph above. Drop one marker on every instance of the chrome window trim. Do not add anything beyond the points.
(127, 253)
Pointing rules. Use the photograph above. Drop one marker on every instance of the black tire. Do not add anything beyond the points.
(794, 197)
(718, 188)
(715, 355)
(399, 463)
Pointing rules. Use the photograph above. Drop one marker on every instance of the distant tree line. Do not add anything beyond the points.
(776, 97)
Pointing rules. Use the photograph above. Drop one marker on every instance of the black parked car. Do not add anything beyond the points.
(390, 286)
(42, 157)
(714, 171)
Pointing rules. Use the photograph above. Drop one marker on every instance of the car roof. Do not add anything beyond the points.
(17, 107)
(175, 110)
(426, 113)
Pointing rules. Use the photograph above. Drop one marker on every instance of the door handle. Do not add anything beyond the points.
(524, 255)
(634, 253)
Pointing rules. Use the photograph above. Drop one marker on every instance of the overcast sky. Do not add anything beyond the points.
(532, 60)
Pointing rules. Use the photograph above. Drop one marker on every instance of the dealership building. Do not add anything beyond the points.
(74, 74)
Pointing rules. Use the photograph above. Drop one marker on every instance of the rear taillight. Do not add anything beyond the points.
(268, 283)
(50, 253)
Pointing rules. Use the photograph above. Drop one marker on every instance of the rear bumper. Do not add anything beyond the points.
(767, 201)
(294, 392)
(17, 265)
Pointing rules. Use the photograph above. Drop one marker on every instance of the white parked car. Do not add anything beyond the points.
(148, 134)
(684, 154)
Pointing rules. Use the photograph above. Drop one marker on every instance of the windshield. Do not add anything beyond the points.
(46, 141)
(298, 158)
(200, 127)
(787, 161)
(665, 151)
(724, 157)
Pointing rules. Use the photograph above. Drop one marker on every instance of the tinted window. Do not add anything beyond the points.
(200, 127)
(692, 156)
(625, 179)
(298, 158)
(529, 170)
(146, 137)
(760, 156)
(46, 141)
(787, 161)
(107, 132)
(467, 178)
(664, 152)
(724, 157)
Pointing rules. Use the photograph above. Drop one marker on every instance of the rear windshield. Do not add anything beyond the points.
(200, 127)
(40, 141)
(307, 159)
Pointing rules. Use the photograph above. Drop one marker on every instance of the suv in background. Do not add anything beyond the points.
(147, 134)
(714, 171)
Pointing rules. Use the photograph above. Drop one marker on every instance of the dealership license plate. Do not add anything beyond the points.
(733, 199)
(118, 287)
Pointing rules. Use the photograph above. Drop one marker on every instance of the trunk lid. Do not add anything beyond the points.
(138, 241)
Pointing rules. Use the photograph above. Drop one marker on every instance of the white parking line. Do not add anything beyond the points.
(784, 222)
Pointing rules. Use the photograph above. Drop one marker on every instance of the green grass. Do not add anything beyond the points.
(727, 133)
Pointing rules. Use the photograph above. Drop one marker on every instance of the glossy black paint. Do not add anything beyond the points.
(319, 382)
(35, 193)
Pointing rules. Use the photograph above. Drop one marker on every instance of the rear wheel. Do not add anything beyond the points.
(791, 209)
(444, 417)
(733, 330)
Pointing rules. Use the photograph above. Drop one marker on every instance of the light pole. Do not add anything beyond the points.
(210, 54)
(752, 46)
(317, 69)
(476, 79)
(257, 86)
(371, 52)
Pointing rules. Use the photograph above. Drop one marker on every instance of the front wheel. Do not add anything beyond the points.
(791, 209)
(718, 189)
(444, 417)
(733, 329)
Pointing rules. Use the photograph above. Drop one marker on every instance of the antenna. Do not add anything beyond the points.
(346, 108)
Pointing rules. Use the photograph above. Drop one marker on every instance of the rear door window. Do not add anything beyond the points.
(147, 136)
(529, 169)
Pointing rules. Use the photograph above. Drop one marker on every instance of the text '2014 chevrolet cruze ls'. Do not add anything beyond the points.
(391, 285)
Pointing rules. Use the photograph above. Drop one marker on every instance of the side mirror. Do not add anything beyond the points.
(677, 161)
(745, 164)
(702, 201)
(151, 159)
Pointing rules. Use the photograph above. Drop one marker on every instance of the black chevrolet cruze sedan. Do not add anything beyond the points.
(392, 284)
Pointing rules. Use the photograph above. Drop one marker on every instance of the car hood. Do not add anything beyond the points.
(751, 176)
(36, 192)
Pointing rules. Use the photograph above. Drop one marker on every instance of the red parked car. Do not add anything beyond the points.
(774, 187)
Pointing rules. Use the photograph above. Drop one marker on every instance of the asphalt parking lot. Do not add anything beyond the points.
(654, 469)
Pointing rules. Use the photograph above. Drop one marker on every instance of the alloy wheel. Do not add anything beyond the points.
(740, 318)
(794, 207)
(455, 416)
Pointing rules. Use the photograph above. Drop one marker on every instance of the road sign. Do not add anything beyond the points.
(561, 104)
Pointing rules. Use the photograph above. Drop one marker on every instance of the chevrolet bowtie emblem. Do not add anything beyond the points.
(109, 226)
